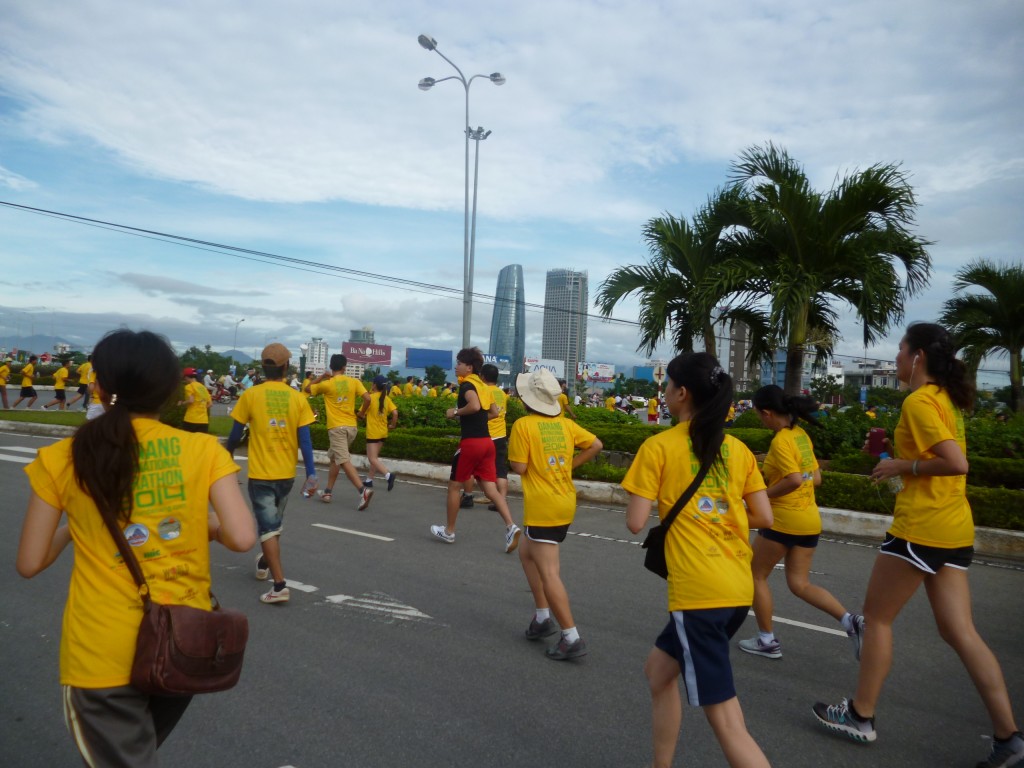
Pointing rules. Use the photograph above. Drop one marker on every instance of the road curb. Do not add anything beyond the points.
(992, 542)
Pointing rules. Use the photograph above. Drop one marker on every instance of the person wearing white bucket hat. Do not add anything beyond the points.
(541, 451)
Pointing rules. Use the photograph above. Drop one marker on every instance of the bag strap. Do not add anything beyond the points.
(130, 560)
(688, 493)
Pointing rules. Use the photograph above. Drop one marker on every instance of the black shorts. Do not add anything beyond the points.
(548, 534)
(927, 559)
(375, 440)
(58, 394)
(28, 392)
(191, 426)
(83, 389)
(789, 540)
(501, 457)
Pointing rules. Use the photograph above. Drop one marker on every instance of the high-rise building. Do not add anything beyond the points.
(362, 336)
(508, 322)
(316, 355)
(566, 302)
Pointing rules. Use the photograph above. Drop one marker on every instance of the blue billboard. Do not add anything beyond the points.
(643, 372)
(422, 358)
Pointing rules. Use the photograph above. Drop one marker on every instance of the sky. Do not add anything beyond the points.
(297, 129)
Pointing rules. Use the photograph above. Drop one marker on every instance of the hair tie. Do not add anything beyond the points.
(716, 375)
(113, 399)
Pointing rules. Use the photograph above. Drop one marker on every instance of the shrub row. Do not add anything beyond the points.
(984, 472)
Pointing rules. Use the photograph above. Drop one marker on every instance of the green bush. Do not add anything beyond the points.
(997, 507)
(996, 473)
(599, 470)
(757, 440)
(858, 463)
(989, 438)
(855, 492)
(747, 420)
(626, 439)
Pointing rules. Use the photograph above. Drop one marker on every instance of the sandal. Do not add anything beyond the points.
(326, 497)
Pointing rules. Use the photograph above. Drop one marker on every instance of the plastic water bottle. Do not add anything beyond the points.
(895, 482)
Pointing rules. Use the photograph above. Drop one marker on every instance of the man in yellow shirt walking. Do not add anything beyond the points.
(60, 378)
(28, 392)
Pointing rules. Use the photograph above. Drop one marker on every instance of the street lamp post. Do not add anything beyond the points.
(469, 236)
(234, 344)
(303, 348)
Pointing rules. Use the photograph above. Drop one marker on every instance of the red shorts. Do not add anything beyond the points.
(652, 417)
(475, 458)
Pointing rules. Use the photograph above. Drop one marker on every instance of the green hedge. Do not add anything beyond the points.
(757, 440)
(984, 472)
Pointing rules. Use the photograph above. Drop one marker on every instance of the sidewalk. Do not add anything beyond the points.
(991, 542)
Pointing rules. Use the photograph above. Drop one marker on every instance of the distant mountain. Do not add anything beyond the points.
(237, 354)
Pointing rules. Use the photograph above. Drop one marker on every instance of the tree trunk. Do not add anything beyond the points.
(709, 340)
(1016, 393)
(794, 369)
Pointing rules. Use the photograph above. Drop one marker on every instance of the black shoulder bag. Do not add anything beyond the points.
(654, 560)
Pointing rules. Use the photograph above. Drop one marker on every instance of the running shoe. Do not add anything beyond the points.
(364, 498)
(563, 649)
(539, 629)
(262, 573)
(758, 647)
(492, 507)
(1005, 753)
(512, 534)
(275, 596)
(391, 480)
(840, 718)
(857, 636)
(466, 502)
(439, 532)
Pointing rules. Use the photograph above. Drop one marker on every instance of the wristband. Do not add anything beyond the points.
(913, 467)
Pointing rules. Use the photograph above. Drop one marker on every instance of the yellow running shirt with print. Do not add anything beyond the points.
(274, 412)
(377, 422)
(197, 411)
(60, 378)
(496, 428)
(26, 375)
(796, 513)
(343, 397)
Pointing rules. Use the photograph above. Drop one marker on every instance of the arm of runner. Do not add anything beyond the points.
(519, 467)
(235, 437)
(42, 540)
(638, 512)
(306, 446)
(587, 453)
(236, 529)
(759, 510)
(786, 485)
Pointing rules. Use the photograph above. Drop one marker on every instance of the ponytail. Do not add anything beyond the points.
(712, 391)
(773, 398)
(138, 372)
(944, 367)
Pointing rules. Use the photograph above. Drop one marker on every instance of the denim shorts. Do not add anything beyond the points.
(269, 498)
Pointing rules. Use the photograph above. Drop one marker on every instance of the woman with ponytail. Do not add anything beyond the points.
(930, 542)
(791, 472)
(154, 483)
(708, 554)
(381, 416)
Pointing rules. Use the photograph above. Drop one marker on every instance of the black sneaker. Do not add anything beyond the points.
(563, 649)
(467, 501)
(391, 480)
(840, 718)
(857, 636)
(1005, 753)
(539, 629)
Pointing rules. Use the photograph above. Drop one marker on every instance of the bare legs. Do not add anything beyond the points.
(726, 718)
(541, 566)
(272, 555)
(490, 490)
(767, 554)
(373, 457)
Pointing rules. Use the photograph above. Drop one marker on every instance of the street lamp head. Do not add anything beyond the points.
(303, 348)
(426, 83)
(427, 42)
(497, 78)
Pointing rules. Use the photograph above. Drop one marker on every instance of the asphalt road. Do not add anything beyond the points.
(399, 650)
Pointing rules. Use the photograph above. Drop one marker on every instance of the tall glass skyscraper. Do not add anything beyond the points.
(566, 302)
(508, 323)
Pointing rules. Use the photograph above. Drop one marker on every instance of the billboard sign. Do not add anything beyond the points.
(423, 358)
(557, 367)
(367, 354)
(595, 372)
(503, 363)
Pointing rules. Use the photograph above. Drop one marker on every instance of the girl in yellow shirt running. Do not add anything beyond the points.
(708, 554)
(930, 542)
(155, 483)
(791, 472)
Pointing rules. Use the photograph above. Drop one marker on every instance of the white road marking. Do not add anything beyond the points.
(292, 584)
(815, 627)
(354, 533)
(20, 448)
(373, 602)
(15, 459)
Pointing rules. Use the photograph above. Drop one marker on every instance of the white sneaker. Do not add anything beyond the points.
(262, 574)
(757, 647)
(512, 534)
(439, 532)
(273, 596)
(364, 498)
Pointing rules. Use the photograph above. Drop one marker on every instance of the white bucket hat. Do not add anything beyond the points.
(540, 391)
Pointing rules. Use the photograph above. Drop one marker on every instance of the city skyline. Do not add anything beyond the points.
(508, 321)
(566, 298)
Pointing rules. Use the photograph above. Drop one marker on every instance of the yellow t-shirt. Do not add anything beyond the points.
(931, 510)
(377, 422)
(274, 412)
(563, 402)
(26, 375)
(652, 406)
(483, 390)
(396, 391)
(5, 372)
(707, 548)
(342, 397)
(198, 411)
(545, 444)
(167, 531)
(94, 396)
(497, 427)
(796, 513)
(609, 402)
(432, 392)
(407, 389)
(60, 378)
(83, 372)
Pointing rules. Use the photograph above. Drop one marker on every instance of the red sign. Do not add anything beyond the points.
(369, 354)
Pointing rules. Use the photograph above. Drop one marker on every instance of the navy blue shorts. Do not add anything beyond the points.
(699, 641)
(789, 540)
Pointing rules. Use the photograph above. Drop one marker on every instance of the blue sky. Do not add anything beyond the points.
(298, 129)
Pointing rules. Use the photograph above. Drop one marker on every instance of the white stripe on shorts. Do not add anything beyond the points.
(74, 728)
(689, 673)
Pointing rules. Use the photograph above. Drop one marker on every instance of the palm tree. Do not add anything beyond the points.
(686, 278)
(814, 248)
(993, 323)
